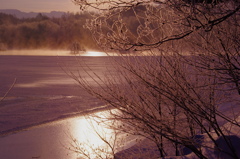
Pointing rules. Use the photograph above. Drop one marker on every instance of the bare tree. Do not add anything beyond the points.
(160, 92)
(219, 52)
(158, 21)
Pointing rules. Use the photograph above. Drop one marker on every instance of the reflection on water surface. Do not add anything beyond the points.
(86, 139)
(57, 140)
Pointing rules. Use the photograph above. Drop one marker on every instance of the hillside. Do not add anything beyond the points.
(43, 32)
(20, 14)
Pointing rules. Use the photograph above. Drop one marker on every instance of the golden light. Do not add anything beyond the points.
(95, 53)
(88, 135)
(92, 136)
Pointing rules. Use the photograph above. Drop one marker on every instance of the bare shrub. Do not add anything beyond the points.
(169, 87)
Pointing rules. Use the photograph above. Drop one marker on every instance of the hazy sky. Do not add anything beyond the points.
(39, 5)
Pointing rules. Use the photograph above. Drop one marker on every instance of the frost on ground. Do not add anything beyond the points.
(145, 149)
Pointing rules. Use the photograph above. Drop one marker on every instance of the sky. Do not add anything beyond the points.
(39, 5)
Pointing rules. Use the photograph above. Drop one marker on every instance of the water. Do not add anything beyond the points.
(50, 141)
(59, 140)
(42, 93)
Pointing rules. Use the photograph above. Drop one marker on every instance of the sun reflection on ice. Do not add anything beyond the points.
(95, 53)
(91, 138)
(95, 136)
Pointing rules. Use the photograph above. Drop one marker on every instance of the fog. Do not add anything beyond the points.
(51, 53)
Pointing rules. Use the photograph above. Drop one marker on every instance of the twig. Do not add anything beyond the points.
(8, 90)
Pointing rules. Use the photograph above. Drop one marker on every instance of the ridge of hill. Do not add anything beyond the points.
(20, 14)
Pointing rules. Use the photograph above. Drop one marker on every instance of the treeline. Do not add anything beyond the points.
(43, 32)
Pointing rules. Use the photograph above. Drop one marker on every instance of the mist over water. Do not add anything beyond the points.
(51, 53)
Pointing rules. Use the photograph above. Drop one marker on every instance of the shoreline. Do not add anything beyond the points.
(59, 118)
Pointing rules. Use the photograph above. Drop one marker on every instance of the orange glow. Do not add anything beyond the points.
(87, 135)
(95, 53)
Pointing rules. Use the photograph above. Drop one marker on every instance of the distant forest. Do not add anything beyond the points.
(42, 32)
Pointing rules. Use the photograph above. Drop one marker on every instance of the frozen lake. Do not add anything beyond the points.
(47, 141)
(41, 117)
(58, 140)
(36, 117)
(43, 92)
